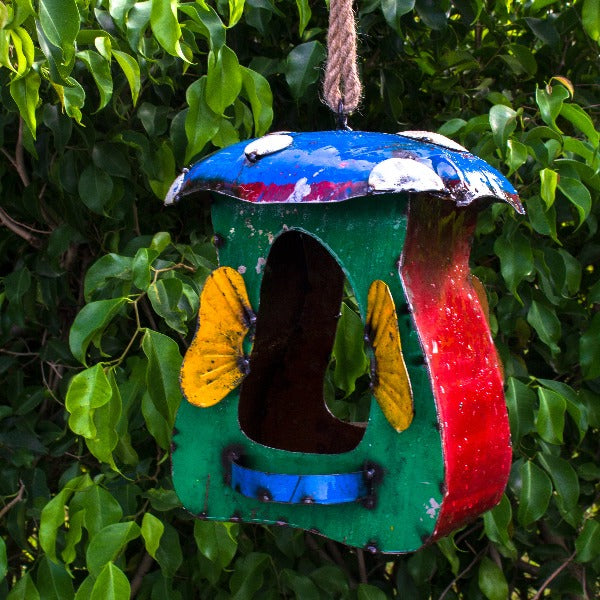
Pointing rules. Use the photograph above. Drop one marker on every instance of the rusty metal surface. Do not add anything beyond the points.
(333, 166)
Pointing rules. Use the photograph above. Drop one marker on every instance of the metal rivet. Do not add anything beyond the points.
(218, 240)
(307, 500)
(433, 138)
(404, 175)
(264, 495)
(266, 145)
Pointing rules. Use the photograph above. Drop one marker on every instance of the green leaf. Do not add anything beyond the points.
(549, 181)
(521, 401)
(169, 555)
(448, 548)
(581, 120)
(223, 80)
(108, 543)
(162, 377)
(546, 324)
(236, 9)
(589, 349)
(544, 30)
(534, 497)
(109, 266)
(24, 589)
(503, 121)
(257, 90)
(393, 10)
(84, 591)
(53, 514)
(91, 321)
(17, 284)
(516, 259)
(54, 581)
(165, 297)
(140, 267)
(590, 15)
(565, 481)
(131, 70)
(216, 541)
(578, 195)
(73, 98)
(73, 535)
(302, 67)
(516, 156)
(201, 122)
(497, 522)
(106, 418)
(550, 421)
(95, 188)
(587, 543)
(366, 591)
(210, 25)
(166, 28)
(550, 102)
(60, 21)
(88, 390)
(491, 580)
(99, 68)
(163, 170)
(304, 14)
(332, 580)
(157, 426)
(152, 531)
(348, 350)
(3, 560)
(112, 584)
(247, 577)
(25, 93)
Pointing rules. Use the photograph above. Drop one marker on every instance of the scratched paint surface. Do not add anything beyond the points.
(410, 493)
(392, 385)
(212, 364)
(332, 166)
(464, 366)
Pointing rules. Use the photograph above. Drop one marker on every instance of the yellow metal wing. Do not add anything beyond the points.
(212, 366)
(391, 385)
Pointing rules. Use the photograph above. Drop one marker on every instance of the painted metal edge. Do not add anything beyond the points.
(334, 166)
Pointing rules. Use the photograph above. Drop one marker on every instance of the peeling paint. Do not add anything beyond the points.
(301, 190)
(241, 269)
(432, 507)
(260, 263)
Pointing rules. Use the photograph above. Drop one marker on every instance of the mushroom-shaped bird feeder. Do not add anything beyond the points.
(295, 215)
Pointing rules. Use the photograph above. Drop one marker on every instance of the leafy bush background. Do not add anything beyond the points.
(102, 104)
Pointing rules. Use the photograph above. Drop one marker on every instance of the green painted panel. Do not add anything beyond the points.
(366, 239)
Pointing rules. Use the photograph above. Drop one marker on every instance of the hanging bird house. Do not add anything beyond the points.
(295, 215)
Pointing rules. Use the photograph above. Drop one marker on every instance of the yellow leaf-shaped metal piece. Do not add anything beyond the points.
(213, 364)
(391, 385)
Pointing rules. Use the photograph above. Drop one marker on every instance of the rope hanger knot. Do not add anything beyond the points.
(342, 87)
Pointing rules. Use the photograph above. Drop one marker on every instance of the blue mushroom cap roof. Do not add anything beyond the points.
(333, 166)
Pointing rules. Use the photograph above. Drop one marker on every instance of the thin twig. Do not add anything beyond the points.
(362, 569)
(312, 544)
(18, 229)
(15, 500)
(138, 578)
(20, 156)
(554, 575)
(463, 572)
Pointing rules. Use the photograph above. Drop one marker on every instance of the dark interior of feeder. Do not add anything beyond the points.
(281, 401)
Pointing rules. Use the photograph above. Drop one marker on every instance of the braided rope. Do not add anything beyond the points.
(342, 86)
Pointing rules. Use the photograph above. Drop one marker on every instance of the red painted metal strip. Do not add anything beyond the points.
(462, 360)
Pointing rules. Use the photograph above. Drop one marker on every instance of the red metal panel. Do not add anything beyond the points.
(463, 363)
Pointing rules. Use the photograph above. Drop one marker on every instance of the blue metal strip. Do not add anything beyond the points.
(337, 488)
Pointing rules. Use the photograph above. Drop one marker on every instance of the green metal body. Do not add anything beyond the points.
(366, 238)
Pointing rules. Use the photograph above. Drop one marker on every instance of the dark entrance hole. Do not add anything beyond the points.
(281, 401)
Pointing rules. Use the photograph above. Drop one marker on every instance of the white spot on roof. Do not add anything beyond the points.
(433, 138)
(404, 175)
(301, 190)
(266, 145)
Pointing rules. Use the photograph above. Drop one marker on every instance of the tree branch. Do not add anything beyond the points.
(554, 575)
(14, 501)
(19, 230)
(138, 578)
